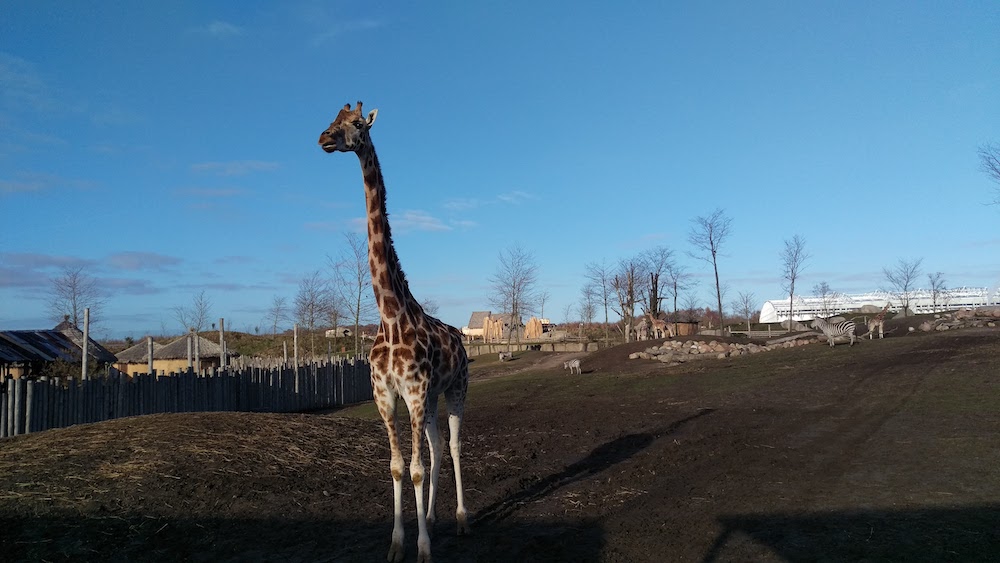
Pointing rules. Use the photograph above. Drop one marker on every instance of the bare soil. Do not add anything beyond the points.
(881, 451)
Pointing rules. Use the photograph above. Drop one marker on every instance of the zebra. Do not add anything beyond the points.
(833, 330)
(571, 365)
(504, 356)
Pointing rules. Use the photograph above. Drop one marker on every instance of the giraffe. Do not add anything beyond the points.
(415, 356)
(660, 327)
(878, 321)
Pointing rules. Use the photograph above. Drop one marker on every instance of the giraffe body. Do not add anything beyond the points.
(415, 356)
(878, 321)
(660, 328)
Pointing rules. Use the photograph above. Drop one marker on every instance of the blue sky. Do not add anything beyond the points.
(170, 148)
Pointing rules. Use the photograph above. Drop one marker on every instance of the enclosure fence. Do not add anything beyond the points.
(33, 405)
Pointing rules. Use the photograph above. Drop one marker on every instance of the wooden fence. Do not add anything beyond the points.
(34, 405)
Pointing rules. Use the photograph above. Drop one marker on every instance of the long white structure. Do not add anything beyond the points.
(921, 301)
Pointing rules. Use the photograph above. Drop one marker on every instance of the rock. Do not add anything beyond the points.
(925, 326)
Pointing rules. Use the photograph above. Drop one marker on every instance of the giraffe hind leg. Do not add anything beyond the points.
(435, 444)
(455, 398)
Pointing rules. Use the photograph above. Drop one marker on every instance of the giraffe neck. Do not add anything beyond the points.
(392, 292)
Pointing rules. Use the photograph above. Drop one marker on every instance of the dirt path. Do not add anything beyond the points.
(881, 452)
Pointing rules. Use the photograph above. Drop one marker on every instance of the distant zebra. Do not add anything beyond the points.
(833, 330)
(504, 356)
(571, 365)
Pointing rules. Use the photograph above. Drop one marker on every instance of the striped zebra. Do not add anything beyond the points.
(833, 330)
(573, 365)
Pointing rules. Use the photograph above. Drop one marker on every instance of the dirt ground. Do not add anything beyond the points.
(881, 451)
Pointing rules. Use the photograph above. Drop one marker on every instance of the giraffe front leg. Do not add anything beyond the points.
(387, 408)
(417, 476)
(455, 426)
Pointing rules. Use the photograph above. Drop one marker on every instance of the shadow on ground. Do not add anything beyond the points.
(926, 534)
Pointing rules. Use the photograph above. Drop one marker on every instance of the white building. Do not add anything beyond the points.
(921, 301)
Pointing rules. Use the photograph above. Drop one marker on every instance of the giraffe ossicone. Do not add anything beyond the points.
(415, 356)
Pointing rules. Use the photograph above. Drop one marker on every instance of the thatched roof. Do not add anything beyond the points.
(477, 318)
(176, 350)
(65, 342)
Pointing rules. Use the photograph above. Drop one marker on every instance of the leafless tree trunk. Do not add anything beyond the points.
(278, 313)
(937, 284)
(313, 304)
(600, 276)
(708, 235)
(678, 281)
(903, 279)
(659, 261)
(196, 316)
(989, 156)
(513, 285)
(793, 258)
(625, 283)
(588, 304)
(745, 306)
(354, 283)
(73, 291)
(543, 298)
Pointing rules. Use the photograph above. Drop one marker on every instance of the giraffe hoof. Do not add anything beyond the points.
(463, 526)
(395, 553)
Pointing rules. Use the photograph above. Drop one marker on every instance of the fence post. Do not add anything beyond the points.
(18, 407)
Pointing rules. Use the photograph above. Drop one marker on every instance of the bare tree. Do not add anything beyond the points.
(989, 157)
(567, 313)
(430, 306)
(659, 261)
(543, 298)
(937, 283)
(691, 307)
(903, 280)
(73, 291)
(708, 235)
(354, 283)
(196, 315)
(513, 285)
(827, 297)
(277, 313)
(626, 285)
(588, 304)
(793, 259)
(313, 304)
(678, 280)
(745, 306)
(600, 277)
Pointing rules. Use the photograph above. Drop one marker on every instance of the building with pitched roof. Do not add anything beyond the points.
(26, 353)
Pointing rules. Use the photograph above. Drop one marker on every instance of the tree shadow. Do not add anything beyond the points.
(602, 457)
(969, 533)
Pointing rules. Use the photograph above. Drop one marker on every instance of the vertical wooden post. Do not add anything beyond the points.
(86, 342)
(222, 344)
(190, 345)
(284, 346)
(149, 352)
(295, 344)
(197, 353)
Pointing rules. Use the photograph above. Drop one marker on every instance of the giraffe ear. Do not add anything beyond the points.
(371, 117)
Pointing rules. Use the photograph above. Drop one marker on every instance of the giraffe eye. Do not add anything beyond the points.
(358, 124)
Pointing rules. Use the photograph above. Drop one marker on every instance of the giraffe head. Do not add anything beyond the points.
(349, 132)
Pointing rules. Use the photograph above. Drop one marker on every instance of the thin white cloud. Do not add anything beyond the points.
(219, 29)
(234, 167)
(22, 86)
(138, 260)
(515, 197)
(335, 30)
(417, 220)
